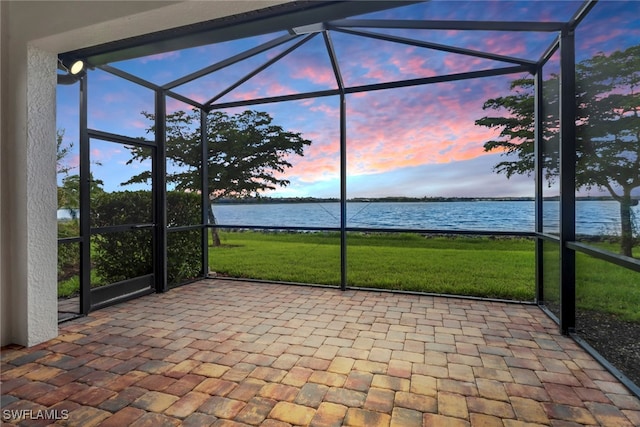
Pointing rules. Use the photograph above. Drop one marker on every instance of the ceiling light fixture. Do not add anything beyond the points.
(73, 71)
(77, 67)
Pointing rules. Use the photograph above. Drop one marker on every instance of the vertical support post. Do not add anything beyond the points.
(204, 175)
(539, 166)
(159, 189)
(567, 180)
(343, 191)
(343, 160)
(85, 200)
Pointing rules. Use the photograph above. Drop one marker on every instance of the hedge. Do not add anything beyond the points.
(123, 255)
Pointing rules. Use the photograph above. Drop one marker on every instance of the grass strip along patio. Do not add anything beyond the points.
(473, 266)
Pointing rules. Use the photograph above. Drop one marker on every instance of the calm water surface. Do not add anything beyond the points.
(593, 217)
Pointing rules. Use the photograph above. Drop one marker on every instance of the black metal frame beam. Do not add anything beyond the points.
(581, 13)
(334, 60)
(184, 99)
(130, 77)
(121, 139)
(539, 179)
(144, 83)
(230, 61)
(379, 86)
(567, 181)
(260, 69)
(120, 228)
(204, 183)
(343, 191)
(379, 230)
(343, 157)
(442, 79)
(159, 190)
(622, 261)
(549, 52)
(85, 185)
(434, 46)
(526, 26)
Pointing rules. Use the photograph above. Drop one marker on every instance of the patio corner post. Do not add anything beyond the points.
(204, 175)
(539, 165)
(343, 192)
(343, 157)
(567, 180)
(159, 190)
(85, 202)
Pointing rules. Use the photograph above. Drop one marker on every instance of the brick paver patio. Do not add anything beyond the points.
(228, 353)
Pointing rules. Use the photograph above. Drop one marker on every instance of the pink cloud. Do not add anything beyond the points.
(375, 72)
(415, 66)
(97, 154)
(503, 44)
(316, 170)
(244, 95)
(315, 74)
(98, 113)
(139, 124)
(462, 64)
(276, 88)
(327, 110)
(391, 130)
(174, 105)
(115, 97)
(198, 97)
(71, 161)
(74, 161)
(414, 127)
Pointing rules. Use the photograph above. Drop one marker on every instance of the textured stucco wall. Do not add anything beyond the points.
(41, 196)
(33, 33)
(4, 295)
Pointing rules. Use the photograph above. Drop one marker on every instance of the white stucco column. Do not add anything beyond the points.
(29, 225)
(40, 197)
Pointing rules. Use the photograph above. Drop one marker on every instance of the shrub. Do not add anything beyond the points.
(68, 253)
(123, 255)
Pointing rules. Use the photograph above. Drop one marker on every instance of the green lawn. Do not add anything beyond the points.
(474, 266)
(500, 268)
(605, 287)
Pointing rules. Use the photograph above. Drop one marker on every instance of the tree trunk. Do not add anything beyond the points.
(626, 226)
(215, 237)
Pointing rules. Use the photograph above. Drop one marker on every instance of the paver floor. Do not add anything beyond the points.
(229, 353)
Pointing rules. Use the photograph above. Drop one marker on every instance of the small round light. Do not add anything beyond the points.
(76, 67)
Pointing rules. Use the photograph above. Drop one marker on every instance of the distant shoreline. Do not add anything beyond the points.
(280, 200)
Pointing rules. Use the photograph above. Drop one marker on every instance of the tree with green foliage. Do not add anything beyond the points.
(63, 151)
(69, 191)
(607, 130)
(246, 154)
(65, 193)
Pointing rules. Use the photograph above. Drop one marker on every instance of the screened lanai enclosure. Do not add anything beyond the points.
(476, 149)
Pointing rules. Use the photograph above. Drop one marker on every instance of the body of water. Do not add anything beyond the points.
(592, 217)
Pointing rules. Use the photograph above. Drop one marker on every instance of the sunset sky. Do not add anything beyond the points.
(418, 141)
